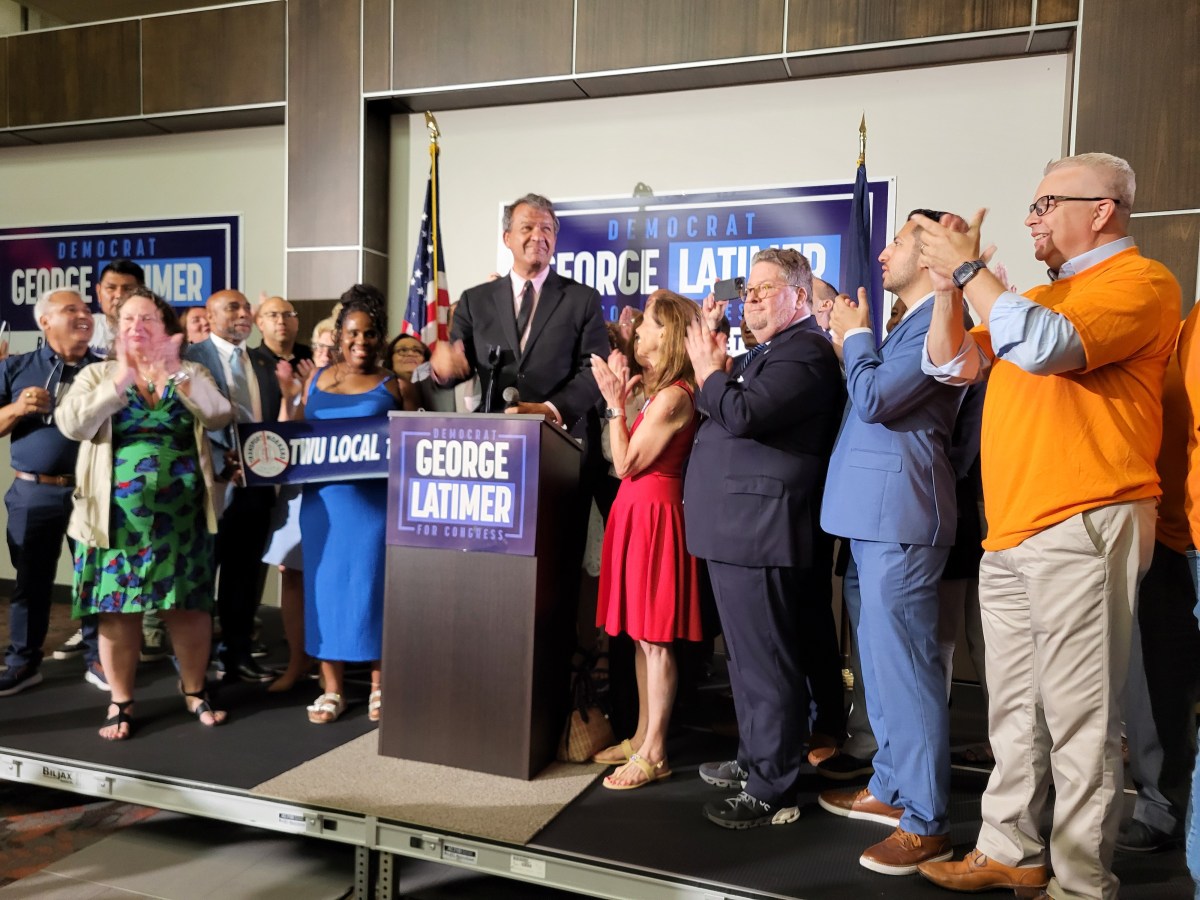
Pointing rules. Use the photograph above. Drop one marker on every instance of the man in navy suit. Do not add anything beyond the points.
(891, 491)
(249, 381)
(751, 499)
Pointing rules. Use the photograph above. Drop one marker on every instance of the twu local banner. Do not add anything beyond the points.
(320, 450)
(457, 482)
(184, 260)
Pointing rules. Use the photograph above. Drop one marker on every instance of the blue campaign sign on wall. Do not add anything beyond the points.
(184, 260)
(627, 248)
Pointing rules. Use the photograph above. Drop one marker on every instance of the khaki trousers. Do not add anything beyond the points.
(1057, 620)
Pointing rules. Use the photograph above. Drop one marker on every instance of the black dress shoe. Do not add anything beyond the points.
(1138, 837)
(844, 767)
(248, 671)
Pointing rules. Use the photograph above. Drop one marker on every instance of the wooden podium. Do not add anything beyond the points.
(480, 594)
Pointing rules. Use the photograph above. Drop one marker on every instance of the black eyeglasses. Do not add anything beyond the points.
(1043, 205)
(53, 388)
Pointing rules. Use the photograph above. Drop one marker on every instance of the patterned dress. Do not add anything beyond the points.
(162, 553)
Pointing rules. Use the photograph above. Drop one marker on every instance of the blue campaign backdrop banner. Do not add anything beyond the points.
(320, 450)
(184, 259)
(627, 248)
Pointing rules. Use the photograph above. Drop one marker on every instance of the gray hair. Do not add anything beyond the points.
(1115, 173)
(42, 307)
(537, 201)
(796, 268)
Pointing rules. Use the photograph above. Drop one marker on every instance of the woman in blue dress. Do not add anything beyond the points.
(342, 523)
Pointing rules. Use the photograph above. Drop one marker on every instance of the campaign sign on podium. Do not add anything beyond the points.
(482, 582)
(464, 482)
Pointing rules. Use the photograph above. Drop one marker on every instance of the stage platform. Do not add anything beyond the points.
(651, 843)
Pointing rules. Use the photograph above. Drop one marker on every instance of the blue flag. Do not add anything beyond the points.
(858, 259)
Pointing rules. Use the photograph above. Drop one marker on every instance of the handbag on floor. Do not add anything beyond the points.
(588, 730)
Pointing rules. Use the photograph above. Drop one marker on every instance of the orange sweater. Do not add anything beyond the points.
(1189, 362)
(1056, 445)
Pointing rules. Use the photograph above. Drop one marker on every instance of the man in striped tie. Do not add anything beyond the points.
(249, 382)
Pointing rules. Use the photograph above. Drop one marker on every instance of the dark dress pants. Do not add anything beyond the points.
(761, 616)
(37, 525)
(241, 540)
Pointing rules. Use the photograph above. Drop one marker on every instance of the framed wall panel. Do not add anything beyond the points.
(624, 34)
(468, 42)
(1175, 242)
(319, 275)
(3, 82)
(1049, 11)
(377, 45)
(825, 24)
(324, 122)
(1139, 73)
(231, 56)
(97, 75)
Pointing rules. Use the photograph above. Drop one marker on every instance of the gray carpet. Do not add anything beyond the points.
(354, 777)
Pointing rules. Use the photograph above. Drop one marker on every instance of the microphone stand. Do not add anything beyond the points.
(489, 393)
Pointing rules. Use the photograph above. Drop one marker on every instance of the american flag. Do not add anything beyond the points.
(428, 311)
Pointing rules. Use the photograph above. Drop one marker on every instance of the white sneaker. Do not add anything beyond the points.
(71, 647)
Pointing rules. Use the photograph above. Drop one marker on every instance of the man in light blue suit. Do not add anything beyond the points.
(890, 490)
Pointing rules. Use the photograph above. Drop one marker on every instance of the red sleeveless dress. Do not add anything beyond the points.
(649, 588)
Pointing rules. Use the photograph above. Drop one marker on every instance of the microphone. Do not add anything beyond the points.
(511, 397)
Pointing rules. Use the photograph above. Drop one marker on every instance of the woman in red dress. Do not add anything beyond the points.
(648, 582)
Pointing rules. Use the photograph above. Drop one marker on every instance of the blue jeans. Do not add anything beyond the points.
(1193, 821)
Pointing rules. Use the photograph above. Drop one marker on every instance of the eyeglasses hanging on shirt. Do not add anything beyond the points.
(61, 375)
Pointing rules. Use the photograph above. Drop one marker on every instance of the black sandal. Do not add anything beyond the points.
(121, 718)
(204, 706)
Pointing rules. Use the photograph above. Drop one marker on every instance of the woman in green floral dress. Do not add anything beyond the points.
(143, 520)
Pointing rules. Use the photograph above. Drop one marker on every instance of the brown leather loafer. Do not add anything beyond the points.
(902, 851)
(859, 803)
(976, 872)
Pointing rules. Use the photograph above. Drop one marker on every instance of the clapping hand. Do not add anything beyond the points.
(847, 314)
(706, 348)
(712, 311)
(612, 377)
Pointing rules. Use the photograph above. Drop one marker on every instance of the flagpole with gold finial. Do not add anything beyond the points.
(862, 139)
(434, 134)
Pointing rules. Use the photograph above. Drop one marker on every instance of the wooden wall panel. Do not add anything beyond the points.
(377, 45)
(72, 74)
(180, 69)
(323, 128)
(623, 34)
(320, 275)
(377, 151)
(1057, 11)
(1139, 74)
(819, 24)
(1175, 242)
(468, 41)
(3, 82)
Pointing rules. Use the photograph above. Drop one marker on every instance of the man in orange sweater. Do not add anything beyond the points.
(1071, 431)
(1189, 363)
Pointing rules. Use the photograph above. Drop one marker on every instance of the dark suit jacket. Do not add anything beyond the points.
(269, 395)
(567, 328)
(753, 485)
